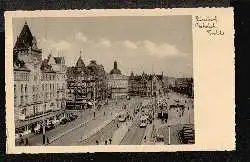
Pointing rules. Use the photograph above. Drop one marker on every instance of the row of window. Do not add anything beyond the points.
(52, 87)
(35, 97)
(22, 76)
(35, 109)
(52, 76)
(24, 88)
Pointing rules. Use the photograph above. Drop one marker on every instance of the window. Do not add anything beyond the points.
(15, 101)
(21, 88)
(26, 99)
(14, 89)
(21, 99)
(23, 111)
(25, 88)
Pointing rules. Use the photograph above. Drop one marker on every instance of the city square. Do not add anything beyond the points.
(57, 104)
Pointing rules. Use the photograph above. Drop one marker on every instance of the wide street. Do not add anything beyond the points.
(105, 128)
(100, 129)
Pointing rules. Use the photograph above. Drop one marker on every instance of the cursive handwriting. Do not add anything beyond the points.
(206, 18)
(209, 24)
(215, 32)
(206, 25)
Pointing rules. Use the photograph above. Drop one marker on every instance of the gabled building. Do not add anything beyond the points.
(85, 84)
(39, 85)
(145, 85)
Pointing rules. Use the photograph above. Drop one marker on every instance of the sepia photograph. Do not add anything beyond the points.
(103, 81)
(119, 80)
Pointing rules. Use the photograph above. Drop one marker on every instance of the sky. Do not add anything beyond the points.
(139, 44)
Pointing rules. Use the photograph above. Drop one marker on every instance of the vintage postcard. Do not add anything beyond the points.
(120, 80)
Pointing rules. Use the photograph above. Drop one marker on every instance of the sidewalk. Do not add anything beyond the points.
(148, 134)
(61, 130)
(121, 132)
(91, 132)
(99, 128)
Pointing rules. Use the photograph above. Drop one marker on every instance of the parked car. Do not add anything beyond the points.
(63, 121)
(49, 126)
(37, 129)
(56, 122)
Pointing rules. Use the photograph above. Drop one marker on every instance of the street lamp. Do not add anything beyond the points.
(44, 126)
(169, 135)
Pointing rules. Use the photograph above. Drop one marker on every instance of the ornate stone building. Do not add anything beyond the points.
(38, 85)
(146, 85)
(117, 83)
(86, 84)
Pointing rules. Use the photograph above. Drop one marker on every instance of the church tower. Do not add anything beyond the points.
(26, 48)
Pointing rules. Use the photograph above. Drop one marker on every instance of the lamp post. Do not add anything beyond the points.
(169, 138)
(44, 126)
(94, 98)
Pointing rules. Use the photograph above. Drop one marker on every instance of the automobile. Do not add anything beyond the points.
(159, 140)
(72, 117)
(49, 126)
(63, 121)
(37, 128)
(56, 122)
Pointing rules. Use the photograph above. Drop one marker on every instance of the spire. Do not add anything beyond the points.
(115, 65)
(80, 62)
(25, 38)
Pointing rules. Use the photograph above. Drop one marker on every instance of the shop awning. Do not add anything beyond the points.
(19, 124)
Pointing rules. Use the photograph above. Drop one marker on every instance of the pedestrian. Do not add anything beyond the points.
(117, 125)
(110, 140)
(48, 140)
(104, 113)
(96, 142)
(106, 142)
(26, 142)
(145, 138)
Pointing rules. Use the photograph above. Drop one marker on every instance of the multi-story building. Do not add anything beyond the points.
(117, 83)
(85, 84)
(35, 83)
(145, 85)
(184, 86)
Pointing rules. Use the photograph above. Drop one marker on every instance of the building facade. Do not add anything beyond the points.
(36, 94)
(86, 85)
(145, 85)
(117, 83)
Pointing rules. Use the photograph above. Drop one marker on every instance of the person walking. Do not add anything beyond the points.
(26, 141)
(106, 142)
(110, 140)
(97, 143)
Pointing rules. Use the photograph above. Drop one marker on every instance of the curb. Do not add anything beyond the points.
(99, 128)
(70, 130)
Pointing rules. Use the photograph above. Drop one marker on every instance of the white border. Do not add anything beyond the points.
(213, 61)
